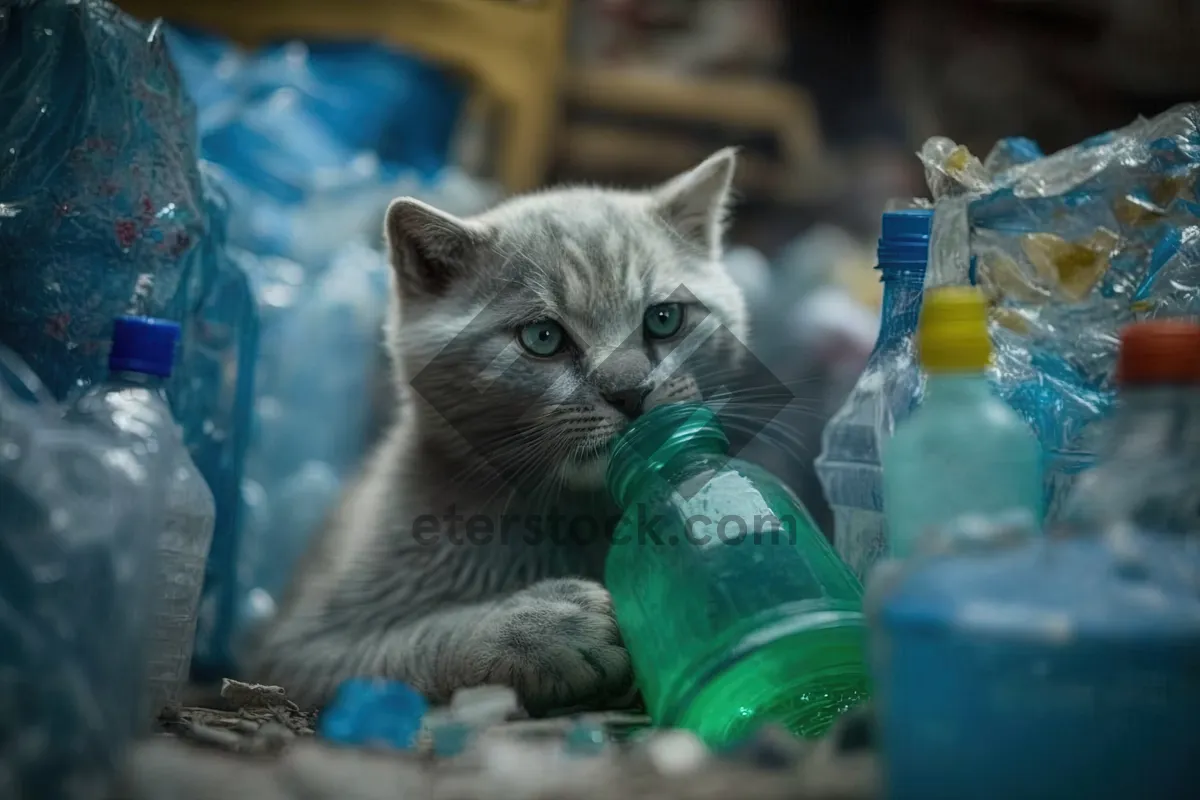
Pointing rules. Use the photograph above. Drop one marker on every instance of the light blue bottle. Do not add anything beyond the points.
(964, 451)
(849, 464)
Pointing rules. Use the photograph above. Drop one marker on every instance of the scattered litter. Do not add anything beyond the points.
(255, 720)
(270, 754)
(254, 695)
(484, 705)
(676, 752)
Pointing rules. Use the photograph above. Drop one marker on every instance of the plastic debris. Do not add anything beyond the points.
(1070, 247)
(310, 142)
(486, 705)
(373, 712)
(853, 441)
(252, 718)
(76, 566)
(133, 405)
(675, 752)
(586, 739)
(447, 735)
(104, 211)
(451, 731)
(253, 695)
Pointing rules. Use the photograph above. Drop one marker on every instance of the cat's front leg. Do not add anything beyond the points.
(555, 643)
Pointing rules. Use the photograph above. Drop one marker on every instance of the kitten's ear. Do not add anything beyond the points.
(430, 249)
(695, 203)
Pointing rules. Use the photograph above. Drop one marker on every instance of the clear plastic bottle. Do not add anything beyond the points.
(964, 452)
(133, 401)
(1149, 472)
(75, 563)
(735, 609)
(849, 465)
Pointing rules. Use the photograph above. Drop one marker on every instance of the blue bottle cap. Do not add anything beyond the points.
(904, 242)
(907, 223)
(143, 344)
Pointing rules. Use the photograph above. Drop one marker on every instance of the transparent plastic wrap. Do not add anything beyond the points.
(105, 211)
(309, 138)
(101, 206)
(1070, 248)
(77, 512)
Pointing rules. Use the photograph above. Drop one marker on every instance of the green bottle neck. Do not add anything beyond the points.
(656, 445)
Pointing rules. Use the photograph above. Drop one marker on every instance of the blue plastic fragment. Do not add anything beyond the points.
(451, 738)
(373, 712)
(1020, 150)
(586, 739)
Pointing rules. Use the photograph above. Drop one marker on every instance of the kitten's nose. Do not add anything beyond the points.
(628, 401)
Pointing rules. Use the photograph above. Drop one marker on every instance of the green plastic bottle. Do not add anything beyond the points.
(735, 609)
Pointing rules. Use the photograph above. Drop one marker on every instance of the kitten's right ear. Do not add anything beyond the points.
(429, 249)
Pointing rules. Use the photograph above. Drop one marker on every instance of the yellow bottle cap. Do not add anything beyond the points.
(953, 334)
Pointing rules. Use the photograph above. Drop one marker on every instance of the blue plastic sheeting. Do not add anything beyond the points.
(103, 207)
(310, 142)
(297, 122)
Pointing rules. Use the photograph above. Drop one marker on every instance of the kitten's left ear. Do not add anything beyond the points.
(695, 204)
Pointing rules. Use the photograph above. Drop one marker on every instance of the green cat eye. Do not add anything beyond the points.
(664, 320)
(543, 338)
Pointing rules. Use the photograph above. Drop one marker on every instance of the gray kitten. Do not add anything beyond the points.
(472, 548)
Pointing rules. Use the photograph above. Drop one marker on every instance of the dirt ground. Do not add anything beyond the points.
(253, 742)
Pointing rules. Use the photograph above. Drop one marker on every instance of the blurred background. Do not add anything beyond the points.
(311, 115)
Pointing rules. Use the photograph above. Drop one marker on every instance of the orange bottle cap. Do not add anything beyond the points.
(1160, 352)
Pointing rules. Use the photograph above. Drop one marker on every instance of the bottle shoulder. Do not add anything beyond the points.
(132, 411)
(122, 398)
(985, 416)
(989, 426)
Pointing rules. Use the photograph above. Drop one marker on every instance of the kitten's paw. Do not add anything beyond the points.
(557, 645)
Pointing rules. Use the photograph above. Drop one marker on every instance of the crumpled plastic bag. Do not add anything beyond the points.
(1070, 248)
(309, 139)
(101, 204)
